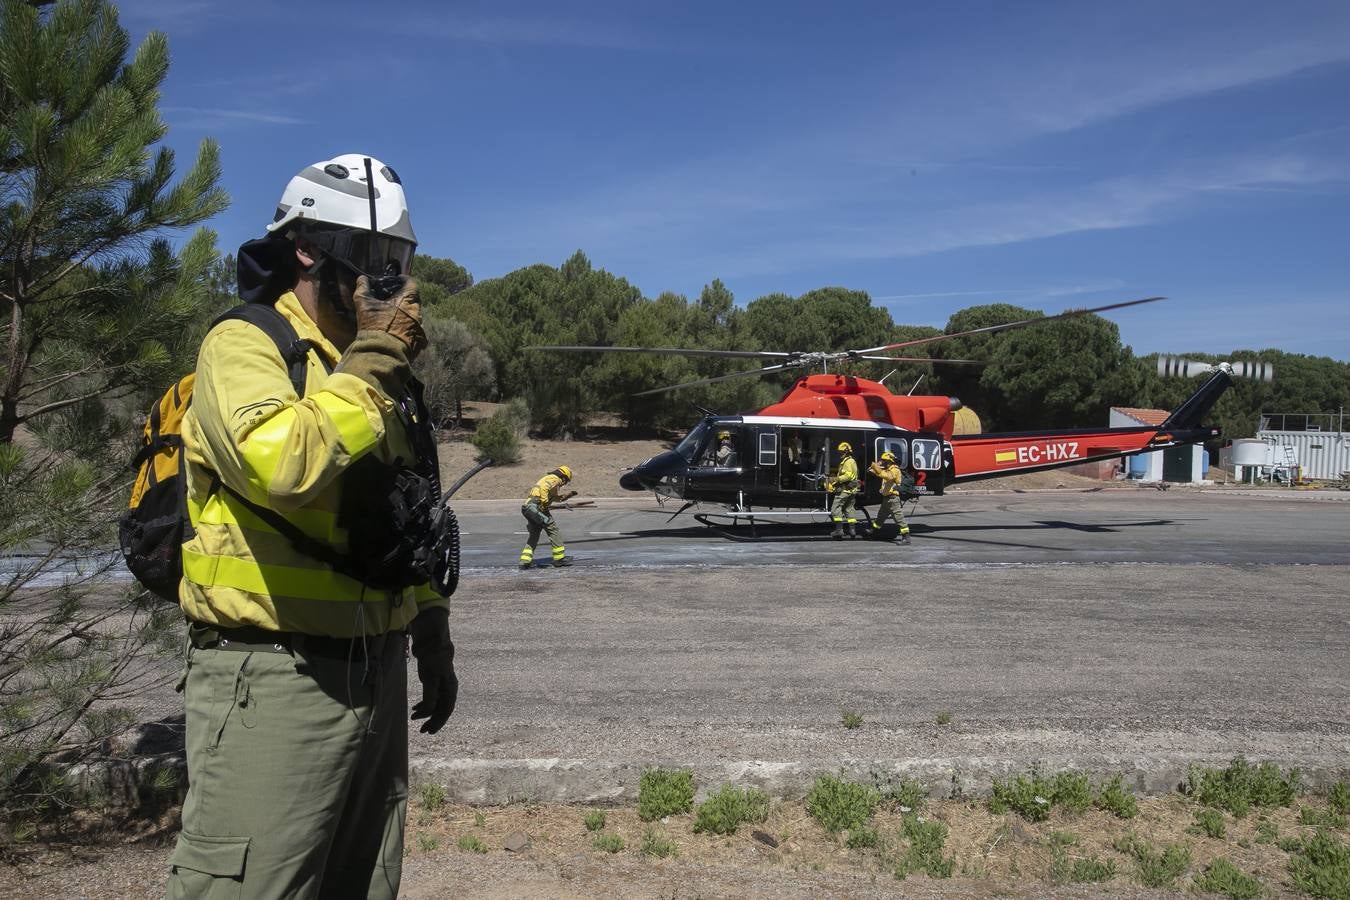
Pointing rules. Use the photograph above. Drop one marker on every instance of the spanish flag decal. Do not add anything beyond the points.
(1005, 456)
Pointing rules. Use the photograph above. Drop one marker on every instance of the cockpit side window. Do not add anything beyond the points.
(693, 441)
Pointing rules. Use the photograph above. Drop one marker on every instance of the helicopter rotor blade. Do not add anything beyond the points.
(990, 329)
(959, 362)
(675, 387)
(674, 351)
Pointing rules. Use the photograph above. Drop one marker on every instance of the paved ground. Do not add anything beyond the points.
(1119, 631)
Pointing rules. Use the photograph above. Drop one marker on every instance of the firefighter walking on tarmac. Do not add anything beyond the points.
(892, 500)
(545, 492)
(844, 485)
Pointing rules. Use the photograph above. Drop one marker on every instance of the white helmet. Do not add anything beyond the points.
(333, 198)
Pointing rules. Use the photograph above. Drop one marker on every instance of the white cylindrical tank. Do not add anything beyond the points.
(1252, 452)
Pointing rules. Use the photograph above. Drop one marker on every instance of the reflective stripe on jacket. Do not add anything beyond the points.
(247, 426)
(890, 478)
(546, 490)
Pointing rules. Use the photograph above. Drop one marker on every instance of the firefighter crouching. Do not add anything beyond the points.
(546, 492)
(892, 503)
(844, 485)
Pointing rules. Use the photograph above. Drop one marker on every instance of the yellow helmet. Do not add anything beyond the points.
(888, 456)
(724, 435)
(844, 447)
(565, 472)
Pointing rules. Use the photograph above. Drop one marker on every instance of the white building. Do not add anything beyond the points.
(1316, 443)
(1185, 464)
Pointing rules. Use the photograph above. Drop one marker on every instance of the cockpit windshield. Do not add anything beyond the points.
(689, 447)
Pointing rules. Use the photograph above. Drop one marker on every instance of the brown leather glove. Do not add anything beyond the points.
(400, 315)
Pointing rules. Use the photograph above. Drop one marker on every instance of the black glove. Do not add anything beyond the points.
(435, 653)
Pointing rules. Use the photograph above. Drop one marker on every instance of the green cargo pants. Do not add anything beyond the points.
(539, 521)
(894, 507)
(297, 773)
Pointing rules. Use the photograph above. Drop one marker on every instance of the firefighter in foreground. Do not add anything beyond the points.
(544, 494)
(295, 685)
(892, 500)
(844, 485)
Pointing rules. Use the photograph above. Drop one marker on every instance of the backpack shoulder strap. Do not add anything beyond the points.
(294, 351)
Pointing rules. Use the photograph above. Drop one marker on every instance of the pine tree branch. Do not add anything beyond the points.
(61, 404)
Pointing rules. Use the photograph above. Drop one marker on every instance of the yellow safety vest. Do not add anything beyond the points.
(890, 478)
(247, 427)
(546, 490)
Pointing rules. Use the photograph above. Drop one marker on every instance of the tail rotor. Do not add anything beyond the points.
(1169, 366)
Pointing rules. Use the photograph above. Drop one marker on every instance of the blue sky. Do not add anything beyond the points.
(935, 155)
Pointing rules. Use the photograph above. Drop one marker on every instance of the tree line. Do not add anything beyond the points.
(1063, 373)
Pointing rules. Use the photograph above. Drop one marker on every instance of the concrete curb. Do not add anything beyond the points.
(154, 782)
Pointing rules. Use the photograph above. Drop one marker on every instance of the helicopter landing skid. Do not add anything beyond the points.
(752, 518)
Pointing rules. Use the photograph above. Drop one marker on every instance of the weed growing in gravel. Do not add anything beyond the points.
(479, 820)
(1209, 822)
(1154, 868)
(729, 808)
(850, 719)
(609, 843)
(665, 792)
(1063, 839)
(471, 843)
(594, 820)
(1321, 866)
(926, 840)
(1087, 870)
(432, 796)
(1115, 798)
(428, 842)
(1339, 797)
(838, 805)
(863, 837)
(904, 794)
(1222, 877)
(1033, 796)
(944, 717)
(1320, 818)
(655, 845)
(1267, 832)
(1242, 786)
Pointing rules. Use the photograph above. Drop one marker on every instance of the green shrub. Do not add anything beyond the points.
(428, 842)
(1115, 798)
(665, 792)
(924, 853)
(1320, 818)
(609, 843)
(1267, 832)
(1029, 797)
(594, 820)
(1339, 797)
(655, 845)
(862, 838)
(1222, 877)
(905, 794)
(944, 717)
(1071, 790)
(471, 843)
(1241, 786)
(1321, 866)
(1085, 870)
(432, 796)
(838, 805)
(729, 808)
(1063, 839)
(1210, 822)
(1158, 869)
(497, 440)
(850, 719)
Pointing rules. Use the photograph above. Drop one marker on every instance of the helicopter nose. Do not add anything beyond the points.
(647, 475)
(632, 480)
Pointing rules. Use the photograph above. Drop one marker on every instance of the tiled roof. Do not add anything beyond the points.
(1143, 416)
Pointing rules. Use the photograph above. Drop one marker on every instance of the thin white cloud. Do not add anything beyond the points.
(516, 31)
(202, 116)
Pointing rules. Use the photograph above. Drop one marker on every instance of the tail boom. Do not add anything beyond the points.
(979, 456)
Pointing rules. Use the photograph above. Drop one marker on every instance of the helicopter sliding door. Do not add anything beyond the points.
(923, 456)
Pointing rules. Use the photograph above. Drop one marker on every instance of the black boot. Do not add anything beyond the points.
(904, 539)
(562, 563)
(838, 533)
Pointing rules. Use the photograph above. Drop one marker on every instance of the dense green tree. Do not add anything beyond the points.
(98, 311)
(456, 366)
(439, 278)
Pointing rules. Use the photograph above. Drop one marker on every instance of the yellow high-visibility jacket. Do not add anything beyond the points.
(846, 478)
(890, 478)
(546, 490)
(247, 426)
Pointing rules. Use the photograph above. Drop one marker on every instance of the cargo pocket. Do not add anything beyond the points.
(211, 868)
